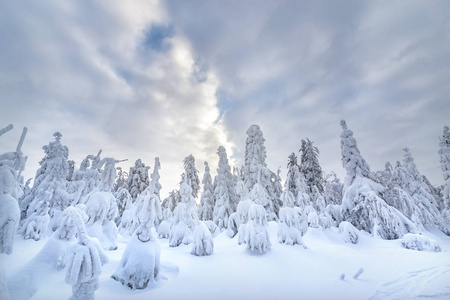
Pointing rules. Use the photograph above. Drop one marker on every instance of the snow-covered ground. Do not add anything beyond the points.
(284, 272)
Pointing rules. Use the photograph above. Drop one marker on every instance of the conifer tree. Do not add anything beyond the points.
(310, 167)
(444, 153)
(255, 170)
(191, 173)
(138, 179)
(362, 204)
(224, 191)
(205, 211)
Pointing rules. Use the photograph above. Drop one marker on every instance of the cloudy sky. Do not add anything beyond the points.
(141, 79)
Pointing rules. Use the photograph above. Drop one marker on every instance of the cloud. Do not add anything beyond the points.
(298, 67)
(168, 79)
(114, 77)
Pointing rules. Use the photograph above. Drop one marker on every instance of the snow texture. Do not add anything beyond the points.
(420, 243)
(9, 210)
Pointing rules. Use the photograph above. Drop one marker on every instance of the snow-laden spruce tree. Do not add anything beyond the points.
(419, 191)
(203, 243)
(191, 173)
(168, 206)
(9, 209)
(121, 179)
(140, 261)
(84, 262)
(255, 170)
(361, 204)
(185, 218)
(124, 204)
(255, 233)
(396, 196)
(310, 167)
(91, 177)
(333, 189)
(50, 185)
(224, 191)
(383, 177)
(206, 208)
(289, 221)
(138, 179)
(101, 207)
(444, 153)
(240, 216)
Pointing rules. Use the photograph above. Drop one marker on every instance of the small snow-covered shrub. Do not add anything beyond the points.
(203, 241)
(233, 223)
(164, 229)
(349, 232)
(140, 263)
(256, 234)
(288, 232)
(212, 227)
(420, 243)
(313, 219)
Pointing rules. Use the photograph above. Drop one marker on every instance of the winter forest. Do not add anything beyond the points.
(90, 229)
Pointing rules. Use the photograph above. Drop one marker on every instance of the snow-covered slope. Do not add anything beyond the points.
(284, 272)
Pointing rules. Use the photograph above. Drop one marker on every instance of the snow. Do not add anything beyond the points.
(420, 243)
(390, 271)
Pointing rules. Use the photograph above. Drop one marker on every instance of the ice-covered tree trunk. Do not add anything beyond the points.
(205, 211)
(224, 192)
(141, 260)
(185, 218)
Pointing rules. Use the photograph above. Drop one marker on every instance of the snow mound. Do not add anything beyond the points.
(426, 283)
(349, 232)
(420, 243)
(203, 241)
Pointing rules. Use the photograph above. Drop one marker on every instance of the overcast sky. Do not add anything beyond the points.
(141, 79)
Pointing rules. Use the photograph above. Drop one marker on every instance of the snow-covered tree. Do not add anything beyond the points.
(9, 209)
(124, 203)
(224, 191)
(206, 208)
(121, 179)
(419, 191)
(255, 233)
(289, 221)
(50, 184)
(191, 173)
(49, 260)
(138, 179)
(84, 262)
(255, 170)
(168, 205)
(71, 169)
(333, 189)
(185, 218)
(154, 177)
(362, 204)
(444, 153)
(203, 243)
(141, 260)
(310, 167)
